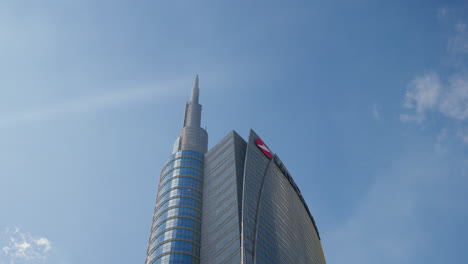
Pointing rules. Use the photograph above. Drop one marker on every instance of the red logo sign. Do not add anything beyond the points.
(261, 145)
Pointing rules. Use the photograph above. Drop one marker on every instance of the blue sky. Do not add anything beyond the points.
(366, 102)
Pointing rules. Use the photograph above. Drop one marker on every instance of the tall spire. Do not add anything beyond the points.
(193, 109)
(193, 137)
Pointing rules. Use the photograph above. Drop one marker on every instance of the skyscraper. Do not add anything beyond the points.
(236, 203)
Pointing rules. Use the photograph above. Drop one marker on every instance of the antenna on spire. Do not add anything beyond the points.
(196, 81)
(195, 91)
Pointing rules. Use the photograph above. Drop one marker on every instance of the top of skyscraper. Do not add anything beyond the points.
(236, 203)
(193, 137)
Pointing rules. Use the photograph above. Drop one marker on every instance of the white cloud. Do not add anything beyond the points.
(426, 93)
(44, 242)
(20, 249)
(454, 104)
(23, 248)
(422, 95)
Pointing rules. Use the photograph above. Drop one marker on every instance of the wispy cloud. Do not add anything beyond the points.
(455, 17)
(422, 95)
(463, 134)
(439, 145)
(20, 247)
(454, 103)
(92, 103)
(427, 94)
(442, 12)
(458, 43)
(376, 109)
(460, 27)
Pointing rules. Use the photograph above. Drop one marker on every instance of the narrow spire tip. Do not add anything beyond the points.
(195, 91)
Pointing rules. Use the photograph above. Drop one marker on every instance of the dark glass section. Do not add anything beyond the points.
(222, 189)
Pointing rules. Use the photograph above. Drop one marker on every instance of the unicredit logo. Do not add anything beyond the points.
(263, 148)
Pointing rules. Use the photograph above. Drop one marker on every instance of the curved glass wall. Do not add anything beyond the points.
(175, 231)
(282, 218)
(277, 227)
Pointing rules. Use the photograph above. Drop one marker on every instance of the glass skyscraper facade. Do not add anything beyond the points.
(177, 215)
(176, 227)
(236, 203)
